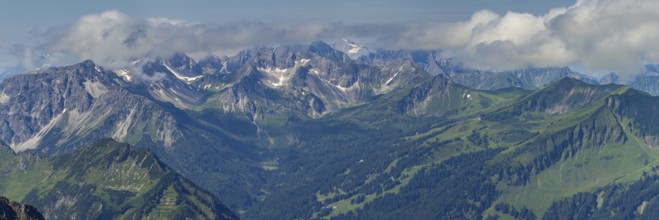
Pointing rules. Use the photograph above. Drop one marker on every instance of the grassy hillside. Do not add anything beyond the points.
(514, 157)
(105, 180)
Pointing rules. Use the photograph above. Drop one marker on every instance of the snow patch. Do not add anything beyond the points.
(302, 62)
(280, 81)
(278, 77)
(4, 98)
(224, 67)
(391, 79)
(341, 88)
(124, 73)
(278, 74)
(182, 77)
(466, 95)
(272, 71)
(354, 48)
(135, 62)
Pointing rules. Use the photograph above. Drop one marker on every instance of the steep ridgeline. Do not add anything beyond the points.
(513, 159)
(647, 80)
(35, 106)
(106, 180)
(433, 63)
(353, 49)
(59, 109)
(214, 120)
(221, 121)
(531, 78)
(14, 210)
(389, 135)
(272, 84)
(209, 120)
(428, 60)
(76, 104)
(649, 84)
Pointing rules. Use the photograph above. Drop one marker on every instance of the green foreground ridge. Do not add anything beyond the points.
(569, 151)
(106, 180)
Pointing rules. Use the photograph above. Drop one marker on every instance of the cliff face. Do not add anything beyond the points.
(14, 210)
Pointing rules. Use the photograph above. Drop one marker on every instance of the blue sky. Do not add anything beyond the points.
(34, 12)
(21, 17)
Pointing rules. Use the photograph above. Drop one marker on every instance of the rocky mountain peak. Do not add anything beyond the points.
(353, 49)
(14, 210)
(183, 63)
(610, 78)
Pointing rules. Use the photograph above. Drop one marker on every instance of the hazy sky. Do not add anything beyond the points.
(21, 17)
(597, 35)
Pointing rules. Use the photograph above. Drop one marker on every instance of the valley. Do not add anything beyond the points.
(306, 131)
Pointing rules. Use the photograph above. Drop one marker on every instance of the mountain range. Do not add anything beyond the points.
(310, 131)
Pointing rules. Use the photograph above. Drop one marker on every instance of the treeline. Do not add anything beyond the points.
(458, 188)
(639, 200)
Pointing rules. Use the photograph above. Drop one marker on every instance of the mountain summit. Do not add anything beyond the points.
(335, 137)
(351, 48)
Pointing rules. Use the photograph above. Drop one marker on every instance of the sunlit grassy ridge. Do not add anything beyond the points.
(107, 179)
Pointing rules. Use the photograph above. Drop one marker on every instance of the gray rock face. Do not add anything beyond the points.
(210, 120)
(610, 78)
(31, 102)
(67, 105)
(59, 109)
(353, 49)
(201, 118)
(309, 80)
(649, 84)
(431, 62)
(72, 105)
(529, 79)
(647, 80)
(428, 60)
(14, 210)
(188, 111)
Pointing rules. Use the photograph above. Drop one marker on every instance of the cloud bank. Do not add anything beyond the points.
(600, 35)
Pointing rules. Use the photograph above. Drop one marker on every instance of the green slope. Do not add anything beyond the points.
(513, 157)
(106, 180)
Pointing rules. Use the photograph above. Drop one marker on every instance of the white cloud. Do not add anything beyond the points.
(607, 34)
(113, 39)
(612, 35)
